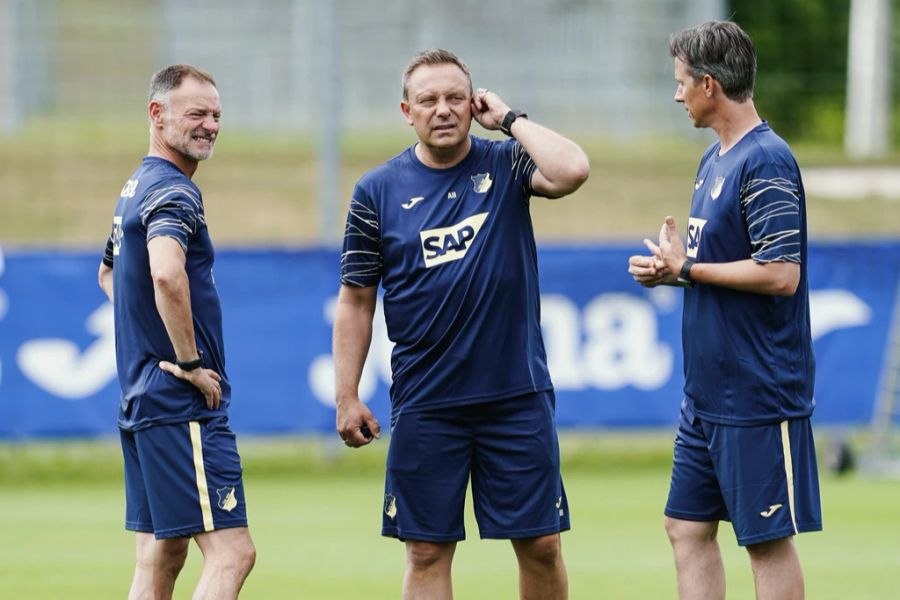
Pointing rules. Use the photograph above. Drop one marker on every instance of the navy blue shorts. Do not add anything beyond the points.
(762, 478)
(182, 479)
(509, 449)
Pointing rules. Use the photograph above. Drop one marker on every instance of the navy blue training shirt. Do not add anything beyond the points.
(454, 250)
(159, 200)
(748, 358)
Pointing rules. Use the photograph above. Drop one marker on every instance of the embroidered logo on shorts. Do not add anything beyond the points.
(771, 511)
(390, 505)
(559, 507)
(227, 499)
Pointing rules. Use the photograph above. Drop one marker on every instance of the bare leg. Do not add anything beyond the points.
(228, 557)
(776, 570)
(168, 559)
(142, 583)
(542, 572)
(427, 574)
(698, 561)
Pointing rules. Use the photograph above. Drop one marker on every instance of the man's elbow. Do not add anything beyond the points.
(167, 278)
(577, 173)
(788, 284)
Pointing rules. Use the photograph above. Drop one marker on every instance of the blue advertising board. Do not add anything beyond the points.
(613, 347)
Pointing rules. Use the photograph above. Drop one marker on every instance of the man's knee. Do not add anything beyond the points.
(771, 550)
(241, 558)
(171, 553)
(145, 548)
(545, 550)
(228, 550)
(683, 532)
(425, 555)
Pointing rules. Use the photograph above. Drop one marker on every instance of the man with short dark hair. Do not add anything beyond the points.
(182, 470)
(744, 450)
(445, 228)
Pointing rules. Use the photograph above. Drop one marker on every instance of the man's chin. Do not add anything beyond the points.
(200, 155)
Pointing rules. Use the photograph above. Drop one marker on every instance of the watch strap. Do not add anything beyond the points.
(684, 275)
(190, 365)
(509, 118)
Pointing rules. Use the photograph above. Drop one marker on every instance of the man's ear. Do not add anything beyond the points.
(709, 85)
(155, 109)
(405, 108)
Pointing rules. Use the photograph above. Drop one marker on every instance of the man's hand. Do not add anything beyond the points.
(670, 251)
(356, 424)
(649, 271)
(488, 109)
(205, 380)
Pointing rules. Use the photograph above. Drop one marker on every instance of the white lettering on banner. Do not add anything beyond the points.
(61, 368)
(611, 344)
(836, 309)
(378, 361)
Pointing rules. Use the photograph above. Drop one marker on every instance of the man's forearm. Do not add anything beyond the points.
(560, 160)
(173, 301)
(776, 278)
(105, 279)
(352, 337)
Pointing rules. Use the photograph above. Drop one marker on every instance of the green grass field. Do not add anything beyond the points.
(315, 518)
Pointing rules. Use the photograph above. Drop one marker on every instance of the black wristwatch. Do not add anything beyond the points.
(509, 119)
(190, 365)
(685, 275)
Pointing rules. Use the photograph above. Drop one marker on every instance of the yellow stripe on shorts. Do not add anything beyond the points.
(788, 470)
(205, 507)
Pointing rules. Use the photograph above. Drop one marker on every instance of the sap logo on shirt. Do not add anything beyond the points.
(447, 244)
(695, 230)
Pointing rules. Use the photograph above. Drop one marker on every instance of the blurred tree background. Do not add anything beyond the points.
(801, 85)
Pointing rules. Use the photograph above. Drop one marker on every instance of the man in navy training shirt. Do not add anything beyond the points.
(445, 228)
(182, 470)
(744, 450)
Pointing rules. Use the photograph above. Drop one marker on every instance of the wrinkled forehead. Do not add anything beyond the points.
(442, 78)
(195, 94)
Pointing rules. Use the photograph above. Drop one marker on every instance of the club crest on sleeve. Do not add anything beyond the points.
(117, 235)
(483, 182)
(227, 498)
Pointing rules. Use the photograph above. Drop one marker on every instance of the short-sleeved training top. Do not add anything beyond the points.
(748, 357)
(454, 250)
(159, 200)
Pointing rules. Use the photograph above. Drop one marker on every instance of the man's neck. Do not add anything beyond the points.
(185, 164)
(443, 158)
(736, 121)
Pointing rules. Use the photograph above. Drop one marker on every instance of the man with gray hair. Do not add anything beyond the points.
(744, 450)
(183, 475)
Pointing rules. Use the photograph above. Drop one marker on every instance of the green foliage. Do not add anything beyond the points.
(802, 63)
